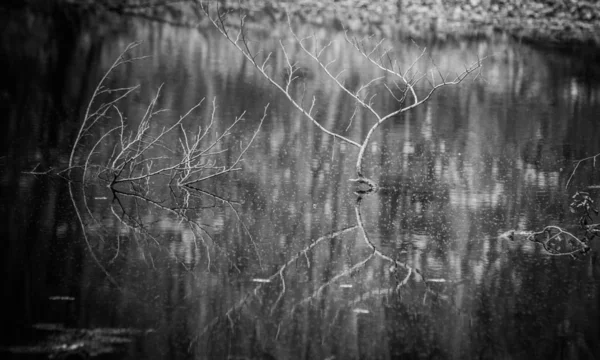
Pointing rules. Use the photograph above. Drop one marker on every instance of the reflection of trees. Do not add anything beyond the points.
(139, 179)
(48, 65)
(135, 158)
(466, 199)
(523, 299)
(291, 197)
(282, 304)
(398, 79)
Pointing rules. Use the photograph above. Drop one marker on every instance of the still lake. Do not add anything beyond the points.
(275, 260)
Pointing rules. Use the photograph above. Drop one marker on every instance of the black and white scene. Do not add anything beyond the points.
(300, 179)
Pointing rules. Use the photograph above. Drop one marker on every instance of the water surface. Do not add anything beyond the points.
(276, 260)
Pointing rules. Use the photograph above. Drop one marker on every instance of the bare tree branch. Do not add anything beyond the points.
(363, 96)
(577, 163)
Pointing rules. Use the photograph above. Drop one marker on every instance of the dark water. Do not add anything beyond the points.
(276, 260)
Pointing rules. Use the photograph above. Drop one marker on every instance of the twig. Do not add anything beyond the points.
(577, 163)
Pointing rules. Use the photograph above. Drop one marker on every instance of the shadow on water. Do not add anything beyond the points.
(282, 260)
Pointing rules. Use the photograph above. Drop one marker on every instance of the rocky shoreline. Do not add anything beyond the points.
(559, 23)
(562, 23)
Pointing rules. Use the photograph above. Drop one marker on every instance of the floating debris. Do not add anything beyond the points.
(61, 342)
(48, 327)
(360, 311)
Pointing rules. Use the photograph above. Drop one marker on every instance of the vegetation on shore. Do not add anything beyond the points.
(560, 22)
(551, 22)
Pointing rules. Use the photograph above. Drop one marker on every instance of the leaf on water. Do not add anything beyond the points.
(257, 280)
(113, 340)
(78, 342)
(49, 327)
(30, 350)
(360, 311)
(116, 331)
(510, 235)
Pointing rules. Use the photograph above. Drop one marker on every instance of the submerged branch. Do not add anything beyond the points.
(278, 274)
(376, 251)
(142, 156)
(557, 241)
(579, 162)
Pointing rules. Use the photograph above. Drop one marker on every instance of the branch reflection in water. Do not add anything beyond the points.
(280, 258)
